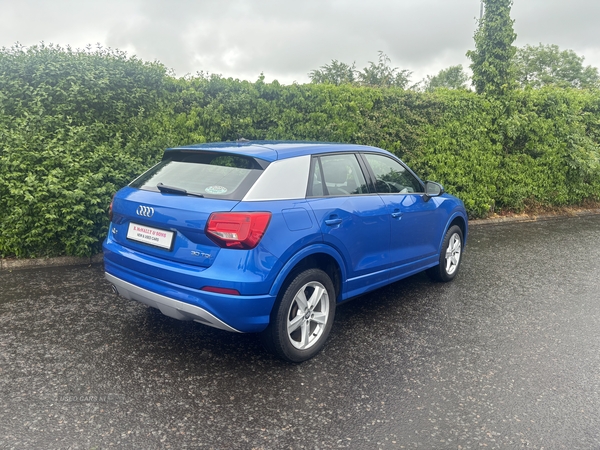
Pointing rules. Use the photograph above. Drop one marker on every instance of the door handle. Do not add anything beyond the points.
(396, 214)
(332, 222)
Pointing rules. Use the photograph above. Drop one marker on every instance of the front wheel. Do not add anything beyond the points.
(450, 256)
(302, 317)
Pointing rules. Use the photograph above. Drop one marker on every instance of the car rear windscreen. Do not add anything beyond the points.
(210, 174)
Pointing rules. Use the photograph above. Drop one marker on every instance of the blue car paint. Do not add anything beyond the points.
(272, 151)
(362, 238)
(175, 213)
(370, 246)
(244, 313)
(250, 272)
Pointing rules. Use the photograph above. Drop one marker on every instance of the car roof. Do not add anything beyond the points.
(274, 150)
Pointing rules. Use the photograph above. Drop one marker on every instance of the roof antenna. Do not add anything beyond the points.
(241, 139)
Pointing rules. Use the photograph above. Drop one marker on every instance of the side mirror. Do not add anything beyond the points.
(432, 189)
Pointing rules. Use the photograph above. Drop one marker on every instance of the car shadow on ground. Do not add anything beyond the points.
(365, 323)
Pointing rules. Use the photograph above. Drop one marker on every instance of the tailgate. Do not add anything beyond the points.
(167, 226)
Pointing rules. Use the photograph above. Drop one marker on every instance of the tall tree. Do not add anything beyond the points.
(335, 73)
(382, 74)
(545, 65)
(453, 77)
(492, 63)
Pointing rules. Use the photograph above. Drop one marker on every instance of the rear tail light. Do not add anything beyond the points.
(237, 229)
(110, 208)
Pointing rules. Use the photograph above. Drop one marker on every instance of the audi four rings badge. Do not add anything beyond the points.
(144, 211)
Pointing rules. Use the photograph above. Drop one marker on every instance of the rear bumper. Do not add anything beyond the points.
(237, 313)
(168, 306)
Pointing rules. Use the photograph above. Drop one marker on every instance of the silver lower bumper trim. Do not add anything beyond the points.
(168, 306)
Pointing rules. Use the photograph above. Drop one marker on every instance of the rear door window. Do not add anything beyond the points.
(337, 174)
(210, 174)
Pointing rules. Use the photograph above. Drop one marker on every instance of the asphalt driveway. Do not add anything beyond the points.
(506, 356)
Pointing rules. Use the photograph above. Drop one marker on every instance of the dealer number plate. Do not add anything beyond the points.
(149, 235)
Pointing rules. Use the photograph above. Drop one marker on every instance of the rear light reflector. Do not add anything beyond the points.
(219, 290)
(241, 230)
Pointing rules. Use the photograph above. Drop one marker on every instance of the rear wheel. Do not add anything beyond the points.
(302, 318)
(450, 256)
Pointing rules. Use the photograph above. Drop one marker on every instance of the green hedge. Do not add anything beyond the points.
(74, 127)
(77, 125)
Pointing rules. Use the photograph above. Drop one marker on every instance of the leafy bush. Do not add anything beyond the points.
(550, 158)
(77, 125)
(459, 150)
(74, 126)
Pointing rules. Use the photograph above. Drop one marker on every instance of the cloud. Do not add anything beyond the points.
(570, 25)
(286, 39)
(292, 38)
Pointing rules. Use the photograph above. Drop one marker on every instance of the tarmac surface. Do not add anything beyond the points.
(505, 356)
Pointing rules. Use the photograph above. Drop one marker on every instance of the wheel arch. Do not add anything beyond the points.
(319, 256)
(461, 222)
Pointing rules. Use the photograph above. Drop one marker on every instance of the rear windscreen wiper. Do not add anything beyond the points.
(175, 190)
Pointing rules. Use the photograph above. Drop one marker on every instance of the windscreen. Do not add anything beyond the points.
(209, 174)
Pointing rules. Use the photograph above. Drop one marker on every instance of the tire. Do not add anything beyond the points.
(450, 256)
(302, 317)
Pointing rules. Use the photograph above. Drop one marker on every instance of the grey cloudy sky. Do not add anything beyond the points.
(286, 39)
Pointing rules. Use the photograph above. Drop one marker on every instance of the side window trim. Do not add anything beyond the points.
(315, 167)
(320, 164)
(368, 172)
(365, 173)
